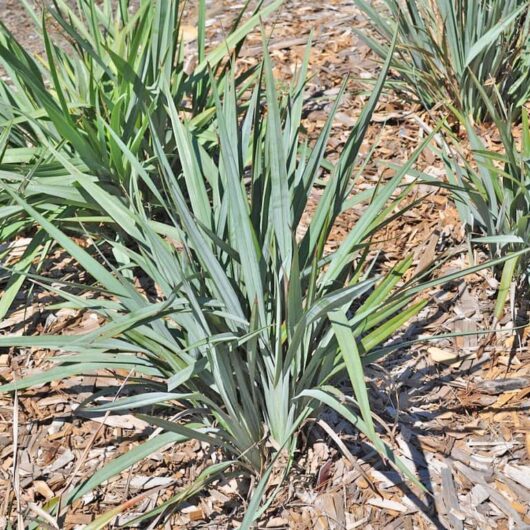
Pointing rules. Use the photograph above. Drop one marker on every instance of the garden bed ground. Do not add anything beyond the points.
(458, 407)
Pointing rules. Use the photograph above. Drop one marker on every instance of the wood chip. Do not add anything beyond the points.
(450, 499)
(139, 482)
(520, 474)
(43, 489)
(499, 386)
(387, 504)
(478, 494)
(445, 356)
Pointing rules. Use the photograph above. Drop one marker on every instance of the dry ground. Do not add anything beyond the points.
(458, 408)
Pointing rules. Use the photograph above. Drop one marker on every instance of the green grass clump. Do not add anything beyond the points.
(492, 195)
(105, 81)
(444, 47)
(251, 327)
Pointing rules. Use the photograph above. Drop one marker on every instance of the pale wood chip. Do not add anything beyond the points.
(450, 499)
(520, 474)
(388, 504)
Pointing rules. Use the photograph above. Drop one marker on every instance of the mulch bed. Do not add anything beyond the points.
(457, 408)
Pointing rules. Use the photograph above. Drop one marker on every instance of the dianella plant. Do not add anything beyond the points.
(101, 76)
(104, 82)
(444, 44)
(492, 195)
(247, 328)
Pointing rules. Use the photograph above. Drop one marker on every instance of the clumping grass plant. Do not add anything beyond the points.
(106, 78)
(444, 45)
(492, 195)
(247, 327)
